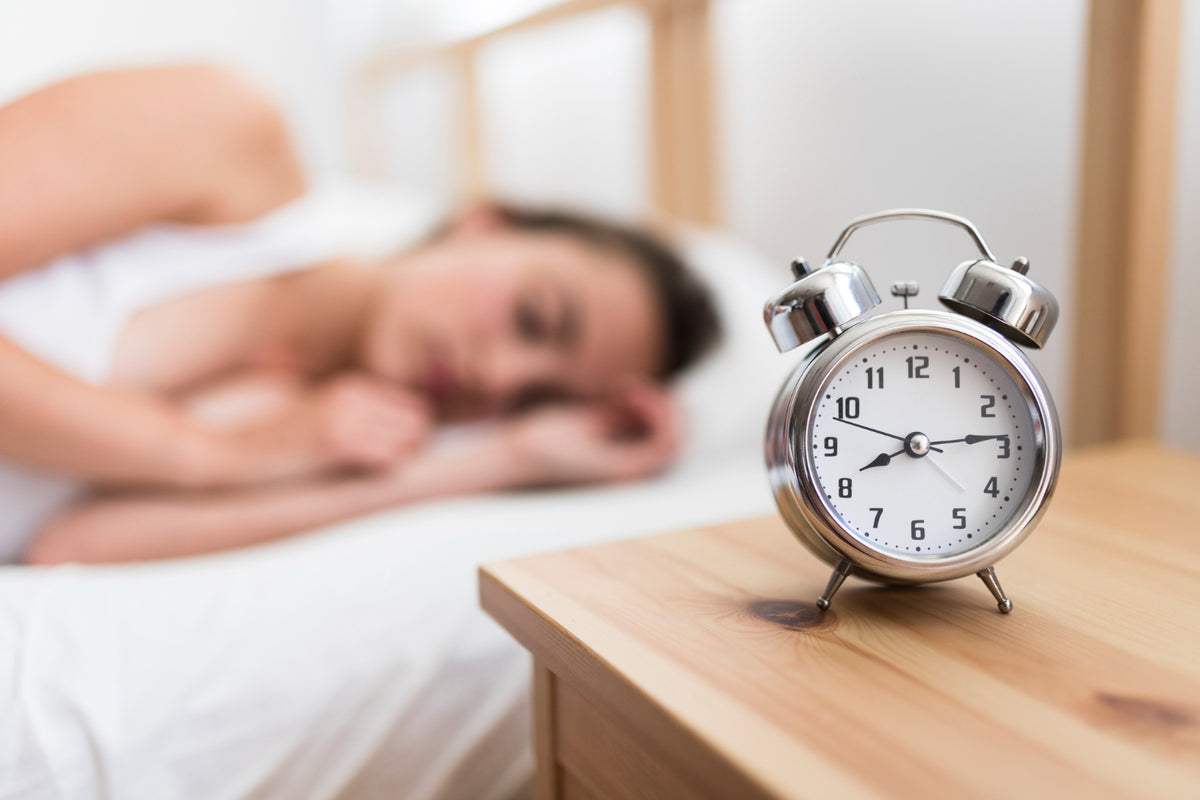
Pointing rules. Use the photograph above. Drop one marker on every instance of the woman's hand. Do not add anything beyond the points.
(351, 421)
(632, 436)
(358, 420)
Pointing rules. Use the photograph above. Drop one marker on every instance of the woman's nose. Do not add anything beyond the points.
(509, 372)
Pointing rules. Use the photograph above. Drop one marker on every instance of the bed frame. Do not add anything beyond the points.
(681, 147)
(1125, 191)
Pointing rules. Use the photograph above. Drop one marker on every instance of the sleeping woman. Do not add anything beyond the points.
(280, 400)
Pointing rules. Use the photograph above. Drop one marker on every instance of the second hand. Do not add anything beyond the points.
(948, 476)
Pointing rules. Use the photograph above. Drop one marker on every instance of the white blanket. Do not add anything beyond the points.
(352, 662)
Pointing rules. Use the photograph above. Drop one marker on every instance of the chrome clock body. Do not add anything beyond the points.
(804, 502)
(899, 381)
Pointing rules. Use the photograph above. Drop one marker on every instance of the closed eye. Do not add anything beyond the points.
(546, 314)
(531, 322)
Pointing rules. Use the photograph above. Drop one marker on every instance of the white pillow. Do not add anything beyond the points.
(727, 396)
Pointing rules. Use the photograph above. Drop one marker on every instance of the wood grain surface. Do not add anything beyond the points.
(695, 664)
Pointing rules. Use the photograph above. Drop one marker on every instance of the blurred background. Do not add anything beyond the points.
(820, 111)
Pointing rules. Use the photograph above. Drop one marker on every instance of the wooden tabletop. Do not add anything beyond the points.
(708, 644)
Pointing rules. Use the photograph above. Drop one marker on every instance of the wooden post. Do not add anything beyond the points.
(472, 177)
(545, 780)
(681, 99)
(1125, 219)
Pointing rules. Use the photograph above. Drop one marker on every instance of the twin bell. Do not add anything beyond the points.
(832, 296)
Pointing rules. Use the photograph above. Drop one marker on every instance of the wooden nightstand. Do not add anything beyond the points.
(695, 664)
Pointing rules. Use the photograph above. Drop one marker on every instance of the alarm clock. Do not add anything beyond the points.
(914, 445)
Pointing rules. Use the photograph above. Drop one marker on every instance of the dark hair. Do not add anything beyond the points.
(689, 318)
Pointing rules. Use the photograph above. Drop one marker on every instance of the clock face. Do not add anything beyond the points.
(923, 444)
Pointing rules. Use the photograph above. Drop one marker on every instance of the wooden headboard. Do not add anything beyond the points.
(1125, 190)
(680, 148)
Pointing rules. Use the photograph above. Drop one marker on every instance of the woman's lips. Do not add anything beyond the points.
(439, 378)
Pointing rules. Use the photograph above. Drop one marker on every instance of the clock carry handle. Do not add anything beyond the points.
(1002, 298)
(911, 213)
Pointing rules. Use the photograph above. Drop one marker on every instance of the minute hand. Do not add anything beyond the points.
(972, 439)
(885, 433)
(872, 430)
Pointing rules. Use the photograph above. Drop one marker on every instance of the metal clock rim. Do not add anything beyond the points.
(819, 527)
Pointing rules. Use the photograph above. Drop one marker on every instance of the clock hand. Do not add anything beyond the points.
(949, 477)
(972, 439)
(882, 460)
(891, 435)
(872, 430)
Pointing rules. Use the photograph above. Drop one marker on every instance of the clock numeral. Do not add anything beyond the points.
(1005, 447)
(918, 529)
(874, 377)
(878, 514)
(847, 407)
(957, 377)
(845, 487)
(917, 366)
(986, 409)
(992, 488)
(831, 448)
(960, 516)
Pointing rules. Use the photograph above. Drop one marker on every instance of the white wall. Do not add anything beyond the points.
(565, 112)
(831, 110)
(422, 129)
(287, 46)
(1181, 402)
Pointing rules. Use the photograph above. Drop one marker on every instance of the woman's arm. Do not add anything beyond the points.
(52, 420)
(95, 157)
(557, 445)
(222, 437)
(98, 156)
(170, 525)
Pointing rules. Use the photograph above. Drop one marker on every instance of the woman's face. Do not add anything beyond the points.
(484, 320)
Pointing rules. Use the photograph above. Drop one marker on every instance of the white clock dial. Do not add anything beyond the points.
(923, 444)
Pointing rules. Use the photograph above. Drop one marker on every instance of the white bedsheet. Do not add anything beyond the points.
(352, 662)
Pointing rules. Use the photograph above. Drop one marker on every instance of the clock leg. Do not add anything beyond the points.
(988, 576)
(835, 582)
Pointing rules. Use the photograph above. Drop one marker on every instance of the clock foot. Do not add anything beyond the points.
(835, 582)
(988, 576)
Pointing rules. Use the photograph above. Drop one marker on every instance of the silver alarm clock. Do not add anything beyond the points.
(916, 445)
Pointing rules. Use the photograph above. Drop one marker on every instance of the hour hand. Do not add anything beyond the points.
(882, 460)
(973, 439)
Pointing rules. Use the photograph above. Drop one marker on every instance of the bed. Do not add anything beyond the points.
(354, 661)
